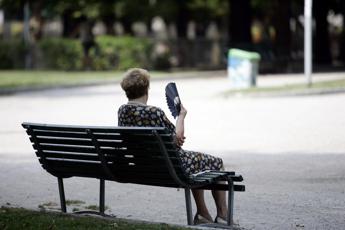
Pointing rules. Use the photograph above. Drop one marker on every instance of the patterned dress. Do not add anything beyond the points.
(150, 116)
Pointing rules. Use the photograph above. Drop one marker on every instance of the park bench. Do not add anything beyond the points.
(139, 155)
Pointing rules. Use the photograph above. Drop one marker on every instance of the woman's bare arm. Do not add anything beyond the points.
(180, 126)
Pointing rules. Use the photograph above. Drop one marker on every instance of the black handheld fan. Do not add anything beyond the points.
(173, 99)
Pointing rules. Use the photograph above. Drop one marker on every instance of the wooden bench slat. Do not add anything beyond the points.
(223, 187)
(70, 167)
(159, 183)
(100, 136)
(141, 168)
(223, 175)
(95, 129)
(91, 149)
(147, 177)
(140, 153)
(117, 160)
(116, 144)
(148, 162)
(66, 148)
(237, 178)
(90, 157)
(88, 142)
(111, 154)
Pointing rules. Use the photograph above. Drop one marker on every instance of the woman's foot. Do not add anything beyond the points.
(199, 219)
(220, 220)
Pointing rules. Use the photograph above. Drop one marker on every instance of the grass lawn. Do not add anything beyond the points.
(18, 218)
(15, 79)
(291, 88)
(35, 79)
(26, 79)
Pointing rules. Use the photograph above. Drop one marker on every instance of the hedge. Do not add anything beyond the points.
(121, 53)
(60, 54)
(12, 54)
(111, 53)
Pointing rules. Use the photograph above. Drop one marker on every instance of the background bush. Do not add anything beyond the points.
(111, 53)
(12, 54)
(61, 54)
(120, 53)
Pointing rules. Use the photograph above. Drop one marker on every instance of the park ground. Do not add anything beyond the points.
(290, 150)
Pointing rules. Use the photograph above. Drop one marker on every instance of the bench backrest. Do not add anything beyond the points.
(124, 154)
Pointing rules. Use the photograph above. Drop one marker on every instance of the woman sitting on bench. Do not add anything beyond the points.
(137, 113)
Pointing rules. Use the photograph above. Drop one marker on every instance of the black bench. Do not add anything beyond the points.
(136, 155)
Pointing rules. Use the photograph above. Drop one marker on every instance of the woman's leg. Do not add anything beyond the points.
(220, 200)
(201, 208)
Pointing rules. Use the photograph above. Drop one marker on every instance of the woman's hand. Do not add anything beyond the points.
(183, 111)
(180, 140)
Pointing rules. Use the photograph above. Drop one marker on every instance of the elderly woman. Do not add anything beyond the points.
(136, 112)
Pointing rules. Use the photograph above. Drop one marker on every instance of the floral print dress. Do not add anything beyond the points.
(135, 114)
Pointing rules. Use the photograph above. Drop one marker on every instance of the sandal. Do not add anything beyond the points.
(199, 219)
(220, 220)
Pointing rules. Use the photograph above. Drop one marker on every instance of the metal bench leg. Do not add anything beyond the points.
(62, 194)
(101, 196)
(230, 216)
(188, 206)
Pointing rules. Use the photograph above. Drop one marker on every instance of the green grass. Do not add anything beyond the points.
(95, 207)
(35, 79)
(74, 202)
(291, 88)
(17, 79)
(50, 204)
(14, 79)
(18, 218)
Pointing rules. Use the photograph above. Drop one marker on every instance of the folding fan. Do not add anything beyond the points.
(173, 99)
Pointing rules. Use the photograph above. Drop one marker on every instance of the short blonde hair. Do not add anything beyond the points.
(136, 83)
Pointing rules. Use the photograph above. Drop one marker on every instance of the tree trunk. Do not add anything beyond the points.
(281, 23)
(321, 41)
(182, 19)
(37, 8)
(342, 41)
(109, 21)
(240, 21)
(127, 26)
(69, 24)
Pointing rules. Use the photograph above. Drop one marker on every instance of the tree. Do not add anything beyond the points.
(240, 20)
(182, 18)
(281, 22)
(321, 41)
(129, 12)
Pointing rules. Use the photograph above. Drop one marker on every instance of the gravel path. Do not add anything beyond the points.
(290, 150)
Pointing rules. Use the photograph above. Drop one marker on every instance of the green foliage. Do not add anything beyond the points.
(204, 10)
(61, 54)
(12, 54)
(111, 53)
(120, 53)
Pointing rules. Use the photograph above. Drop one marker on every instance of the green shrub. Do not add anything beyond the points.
(12, 54)
(61, 53)
(121, 53)
(111, 53)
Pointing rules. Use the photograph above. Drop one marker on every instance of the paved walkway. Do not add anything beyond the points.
(290, 150)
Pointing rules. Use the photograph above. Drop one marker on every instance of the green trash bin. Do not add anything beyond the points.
(243, 68)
